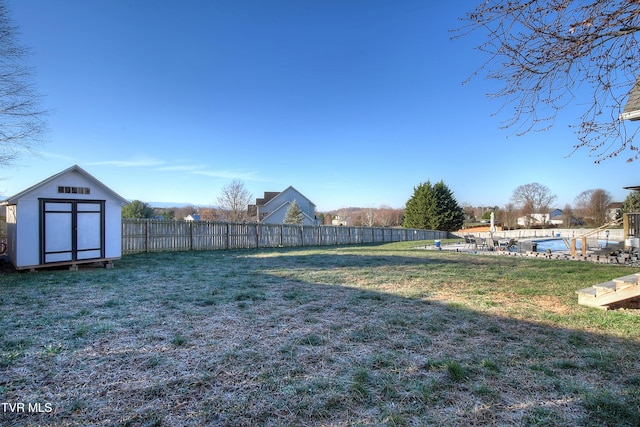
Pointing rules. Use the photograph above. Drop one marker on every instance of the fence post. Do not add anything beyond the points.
(191, 235)
(146, 234)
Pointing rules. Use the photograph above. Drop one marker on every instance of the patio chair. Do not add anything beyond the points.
(510, 246)
(490, 243)
(481, 243)
(469, 241)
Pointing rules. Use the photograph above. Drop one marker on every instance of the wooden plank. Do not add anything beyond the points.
(625, 281)
(605, 288)
(588, 292)
(69, 263)
(612, 297)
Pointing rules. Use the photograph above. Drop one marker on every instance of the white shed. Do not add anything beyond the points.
(68, 219)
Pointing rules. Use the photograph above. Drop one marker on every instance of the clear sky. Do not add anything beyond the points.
(351, 102)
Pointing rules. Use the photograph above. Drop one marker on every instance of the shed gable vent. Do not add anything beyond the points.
(74, 190)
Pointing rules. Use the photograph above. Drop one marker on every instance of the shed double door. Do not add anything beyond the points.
(71, 230)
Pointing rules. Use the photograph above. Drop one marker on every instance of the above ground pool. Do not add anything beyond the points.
(557, 244)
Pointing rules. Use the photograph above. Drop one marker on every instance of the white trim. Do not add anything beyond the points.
(631, 115)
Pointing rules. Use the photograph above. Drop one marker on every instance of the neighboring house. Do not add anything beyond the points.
(632, 108)
(613, 209)
(192, 217)
(272, 208)
(536, 219)
(554, 218)
(338, 220)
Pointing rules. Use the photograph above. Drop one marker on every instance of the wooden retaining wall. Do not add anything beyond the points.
(151, 235)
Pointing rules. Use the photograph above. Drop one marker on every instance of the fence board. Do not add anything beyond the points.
(153, 235)
(270, 236)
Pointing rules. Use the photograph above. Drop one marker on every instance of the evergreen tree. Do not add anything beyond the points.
(293, 214)
(632, 203)
(433, 207)
(137, 209)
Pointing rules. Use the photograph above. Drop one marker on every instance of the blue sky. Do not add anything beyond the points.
(351, 102)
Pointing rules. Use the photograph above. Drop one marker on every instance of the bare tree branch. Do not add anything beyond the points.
(545, 52)
(22, 124)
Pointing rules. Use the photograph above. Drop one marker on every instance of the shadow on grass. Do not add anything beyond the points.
(321, 336)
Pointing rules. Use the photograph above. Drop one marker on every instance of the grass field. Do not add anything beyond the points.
(383, 335)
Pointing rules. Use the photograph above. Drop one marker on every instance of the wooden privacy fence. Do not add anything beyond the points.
(150, 235)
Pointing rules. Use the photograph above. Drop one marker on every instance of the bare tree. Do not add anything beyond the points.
(567, 213)
(469, 212)
(526, 211)
(369, 217)
(209, 214)
(386, 216)
(600, 201)
(233, 201)
(22, 124)
(543, 51)
(536, 197)
(508, 216)
(581, 204)
(592, 205)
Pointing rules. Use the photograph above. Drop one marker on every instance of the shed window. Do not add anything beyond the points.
(73, 190)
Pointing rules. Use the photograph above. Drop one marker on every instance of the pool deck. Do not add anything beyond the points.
(592, 254)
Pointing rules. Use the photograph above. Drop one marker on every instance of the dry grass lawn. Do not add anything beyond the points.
(382, 335)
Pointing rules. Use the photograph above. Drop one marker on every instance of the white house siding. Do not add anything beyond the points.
(278, 216)
(276, 208)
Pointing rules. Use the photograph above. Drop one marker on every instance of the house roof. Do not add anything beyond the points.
(268, 195)
(632, 108)
(271, 200)
(75, 168)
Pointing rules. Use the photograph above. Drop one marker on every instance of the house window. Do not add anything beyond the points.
(73, 190)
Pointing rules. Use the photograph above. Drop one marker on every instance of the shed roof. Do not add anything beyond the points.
(75, 168)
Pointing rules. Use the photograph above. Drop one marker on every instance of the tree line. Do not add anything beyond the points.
(591, 208)
(432, 206)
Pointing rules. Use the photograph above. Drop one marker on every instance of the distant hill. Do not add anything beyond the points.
(172, 205)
